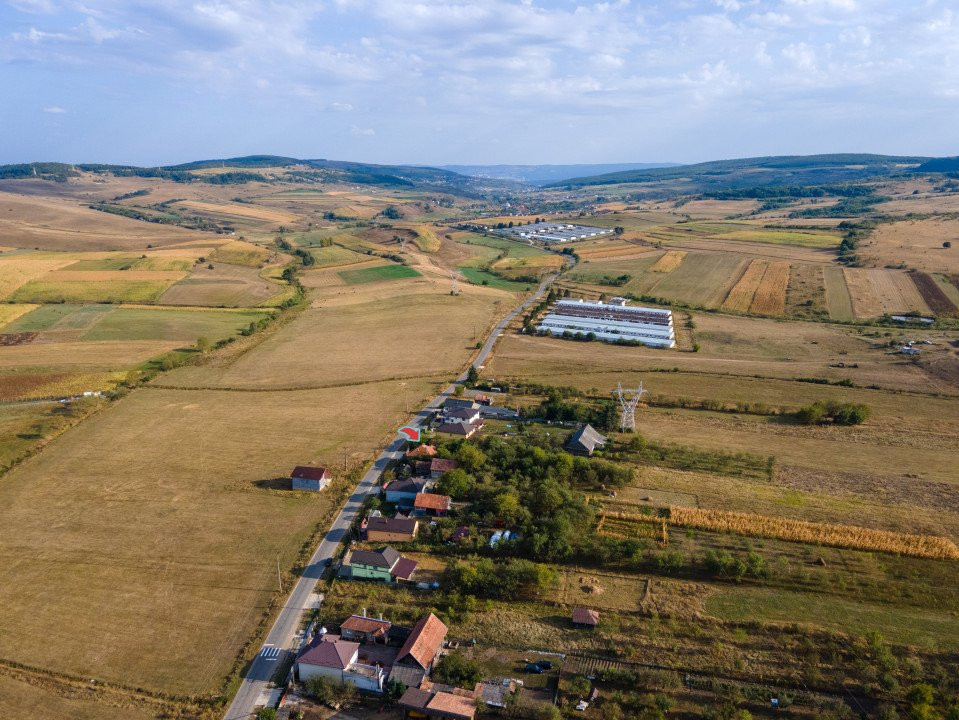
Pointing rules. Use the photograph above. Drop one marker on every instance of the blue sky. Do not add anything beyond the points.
(485, 81)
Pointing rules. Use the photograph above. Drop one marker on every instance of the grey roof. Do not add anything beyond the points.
(406, 485)
(336, 654)
(463, 413)
(586, 438)
(392, 525)
(458, 403)
(384, 557)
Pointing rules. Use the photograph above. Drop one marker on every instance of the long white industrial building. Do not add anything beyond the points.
(611, 321)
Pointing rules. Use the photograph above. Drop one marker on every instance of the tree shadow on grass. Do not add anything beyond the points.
(280, 483)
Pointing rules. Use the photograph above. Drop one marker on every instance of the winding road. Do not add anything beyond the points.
(283, 636)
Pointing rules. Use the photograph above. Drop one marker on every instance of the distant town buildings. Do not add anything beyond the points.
(555, 232)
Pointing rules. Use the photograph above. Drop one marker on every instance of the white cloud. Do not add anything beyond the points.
(359, 132)
(341, 107)
(54, 110)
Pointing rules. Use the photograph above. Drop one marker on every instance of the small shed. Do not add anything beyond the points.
(585, 440)
(305, 477)
(585, 619)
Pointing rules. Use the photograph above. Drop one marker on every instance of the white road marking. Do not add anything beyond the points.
(269, 652)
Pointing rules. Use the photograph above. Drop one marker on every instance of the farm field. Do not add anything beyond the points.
(913, 626)
(482, 277)
(914, 243)
(876, 291)
(172, 540)
(377, 274)
(63, 224)
(701, 279)
(112, 286)
(838, 300)
(32, 698)
(242, 211)
(363, 338)
(334, 255)
(223, 286)
(728, 345)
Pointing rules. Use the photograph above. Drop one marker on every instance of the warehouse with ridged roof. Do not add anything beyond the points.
(613, 321)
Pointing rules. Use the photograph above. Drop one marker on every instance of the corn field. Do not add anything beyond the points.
(835, 535)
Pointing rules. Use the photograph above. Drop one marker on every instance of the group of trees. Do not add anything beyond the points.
(508, 579)
(602, 415)
(838, 413)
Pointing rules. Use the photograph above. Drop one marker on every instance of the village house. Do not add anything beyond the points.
(403, 492)
(305, 477)
(459, 404)
(394, 529)
(460, 429)
(432, 504)
(383, 565)
(419, 704)
(416, 657)
(332, 657)
(440, 466)
(585, 619)
(585, 440)
(363, 629)
(421, 451)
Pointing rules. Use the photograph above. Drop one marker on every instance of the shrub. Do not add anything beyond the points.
(838, 413)
(454, 669)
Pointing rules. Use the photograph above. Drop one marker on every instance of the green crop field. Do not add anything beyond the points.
(334, 255)
(42, 318)
(512, 247)
(377, 274)
(901, 624)
(803, 238)
(113, 291)
(164, 324)
(482, 277)
(838, 299)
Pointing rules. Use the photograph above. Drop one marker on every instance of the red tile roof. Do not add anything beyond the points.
(585, 616)
(360, 624)
(305, 472)
(421, 451)
(424, 641)
(432, 501)
(450, 705)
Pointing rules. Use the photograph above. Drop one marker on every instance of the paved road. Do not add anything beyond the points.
(283, 634)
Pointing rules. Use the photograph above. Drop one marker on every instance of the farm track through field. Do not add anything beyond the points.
(287, 388)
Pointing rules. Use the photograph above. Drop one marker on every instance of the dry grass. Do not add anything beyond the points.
(87, 355)
(865, 302)
(770, 297)
(225, 285)
(239, 252)
(239, 210)
(356, 335)
(933, 294)
(670, 260)
(847, 536)
(917, 243)
(17, 270)
(167, 533)
(55, 223)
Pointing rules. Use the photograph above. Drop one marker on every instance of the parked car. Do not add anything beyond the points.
(545, 664)
(534, 669)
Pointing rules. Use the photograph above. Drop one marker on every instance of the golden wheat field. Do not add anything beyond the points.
(770, 297)
(670, 260)
(740, 297)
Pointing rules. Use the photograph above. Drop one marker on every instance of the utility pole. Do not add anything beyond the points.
(279, 578)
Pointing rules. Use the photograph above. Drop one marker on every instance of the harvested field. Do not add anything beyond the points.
(334, 255)
(106, 355)
(770, 297)
(717, 209)
(830, 534)
(865, 302)
(740, 297)
(362, 337)
(933, 295)
(167, 533)
(670, 260)
(239, 252)
(896, 291)
(802, 238)
(239, 210)
(183, 326)
(62, 224)
(915, 243)
(837, 294)
(225, 285)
